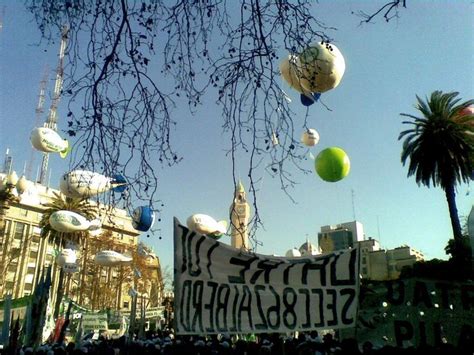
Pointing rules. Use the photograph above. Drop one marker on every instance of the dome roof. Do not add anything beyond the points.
(308, 249)
(292, 253)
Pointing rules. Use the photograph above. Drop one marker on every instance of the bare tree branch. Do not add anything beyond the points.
(122, 118)
(389, 11)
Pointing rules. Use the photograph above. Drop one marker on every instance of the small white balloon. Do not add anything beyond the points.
(310, 137)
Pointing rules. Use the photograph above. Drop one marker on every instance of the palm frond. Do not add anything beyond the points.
(60, 202)
(439, 148)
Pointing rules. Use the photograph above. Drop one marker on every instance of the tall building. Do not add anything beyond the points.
(340, 236)
(239, 217)
(367, 247)
(24, 255)
(375, 263)
(388, 264)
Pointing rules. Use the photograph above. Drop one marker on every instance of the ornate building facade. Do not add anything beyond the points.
(24, 255)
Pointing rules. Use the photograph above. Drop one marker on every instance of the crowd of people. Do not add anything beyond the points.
(311, 343)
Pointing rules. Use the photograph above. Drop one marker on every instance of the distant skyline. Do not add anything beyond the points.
(429, 47)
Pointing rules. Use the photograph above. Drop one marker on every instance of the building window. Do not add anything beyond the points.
(364, 260)
(19, 229)
(33, 254)
(364, 271)
(28, 287)
(125, 305)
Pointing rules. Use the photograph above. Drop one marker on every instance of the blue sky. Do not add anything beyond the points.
(429, 47)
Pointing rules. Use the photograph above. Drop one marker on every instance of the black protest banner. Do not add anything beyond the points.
(415, 311)
(220, 289)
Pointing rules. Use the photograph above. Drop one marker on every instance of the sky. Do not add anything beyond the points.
(429, 47)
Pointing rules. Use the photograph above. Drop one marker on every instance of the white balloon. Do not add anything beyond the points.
(111, 258)
(290, 69)
(204, 224)
(310, 137)
(69, 222)
(48, 140)
(66, 256)
(83, 183)
(322, 67)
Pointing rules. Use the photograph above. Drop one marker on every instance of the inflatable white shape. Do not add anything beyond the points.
(49, 141)
(290, 69)
(66, 256)
(70, 222)
(322, 67)
(310, 137)
(111, 258)
(83, 183)
(204, 224)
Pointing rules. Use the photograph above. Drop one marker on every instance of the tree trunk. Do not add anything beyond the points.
(462, 249)
(82, 278)
(59, 294)
(453, 212)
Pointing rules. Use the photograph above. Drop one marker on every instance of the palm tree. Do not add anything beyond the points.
(60, 202)
(440, 149)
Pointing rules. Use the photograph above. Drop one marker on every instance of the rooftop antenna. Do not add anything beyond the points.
(378, 229)
(353, 205)
(38, 113)
(2, 15)
(37, 174)
(7, 163)
(51, 121)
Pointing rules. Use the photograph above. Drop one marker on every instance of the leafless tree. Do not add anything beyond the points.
(388, 11)
(122, 117)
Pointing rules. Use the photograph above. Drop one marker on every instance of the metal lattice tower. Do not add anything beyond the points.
(38, 113)
(51, 121)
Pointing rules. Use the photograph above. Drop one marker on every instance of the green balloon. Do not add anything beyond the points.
(332, 164)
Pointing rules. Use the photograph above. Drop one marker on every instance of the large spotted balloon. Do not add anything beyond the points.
(290, 69)
(322, 67)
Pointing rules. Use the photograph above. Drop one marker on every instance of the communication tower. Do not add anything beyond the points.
(38, 113)
(51, 121)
